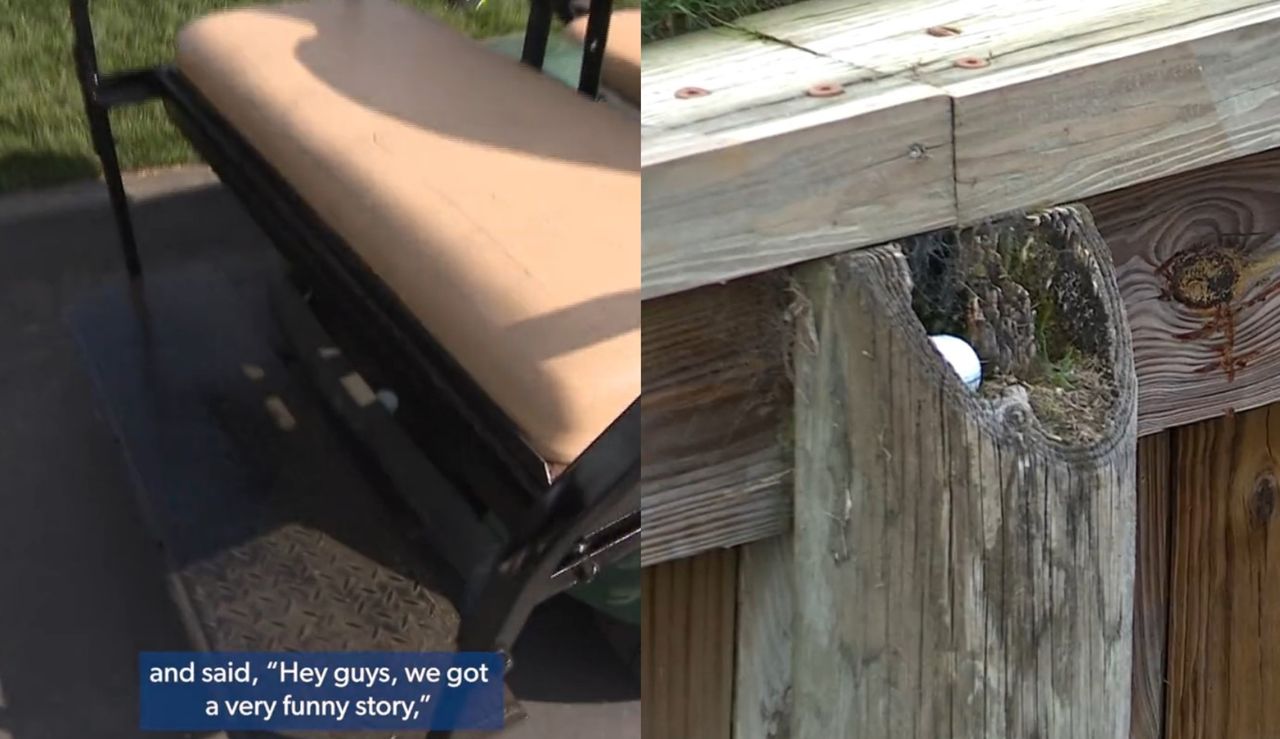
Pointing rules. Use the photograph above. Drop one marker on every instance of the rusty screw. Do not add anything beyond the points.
(941, 31)
(826, 90)
(684, 93)
(971, 62)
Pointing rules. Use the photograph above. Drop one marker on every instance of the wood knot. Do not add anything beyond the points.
(1262, 503)
(1203, 276)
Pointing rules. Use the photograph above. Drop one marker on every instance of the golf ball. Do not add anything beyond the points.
(962, 358)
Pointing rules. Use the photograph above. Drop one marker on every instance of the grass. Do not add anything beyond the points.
(666, 18)
(43, 136)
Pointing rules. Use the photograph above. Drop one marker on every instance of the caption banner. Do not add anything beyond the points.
(209, 691)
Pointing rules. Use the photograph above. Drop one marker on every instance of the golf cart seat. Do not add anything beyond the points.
(621, 71)
(498, 205)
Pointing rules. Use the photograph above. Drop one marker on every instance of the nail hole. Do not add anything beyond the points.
(684, 93)
(971, 62)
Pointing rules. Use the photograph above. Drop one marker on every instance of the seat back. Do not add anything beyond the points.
(538, 31)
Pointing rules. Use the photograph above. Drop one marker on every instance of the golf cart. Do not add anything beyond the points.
(461, 237)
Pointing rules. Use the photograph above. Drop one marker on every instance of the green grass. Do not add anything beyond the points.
(43, 136)
(665, 18)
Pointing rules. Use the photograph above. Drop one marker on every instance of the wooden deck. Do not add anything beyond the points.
(1162, 117)
(1156, 106)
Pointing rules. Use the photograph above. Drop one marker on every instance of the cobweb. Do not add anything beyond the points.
(1018, 287)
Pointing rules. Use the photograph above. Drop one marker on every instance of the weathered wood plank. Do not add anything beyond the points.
(766, 608)
(1224, 658)
(1065, 101)
(1235, 364)
(1151, 586)
(711, 61)
(687, 651)
(1127, 121)
(754, 198)
(969, 577)
(714, 465)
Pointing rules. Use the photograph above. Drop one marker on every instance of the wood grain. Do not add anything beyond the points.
(1224, 658)
(687, 651)
(712, 61)
(714, 466)
(1142, 106)
(968, 577)
(1151, 586)
(1179, 380)
(1182, 380)
(756, 198)
(766, 609)
(1070, 100)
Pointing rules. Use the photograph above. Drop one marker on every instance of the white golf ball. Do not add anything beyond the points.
(962, 358)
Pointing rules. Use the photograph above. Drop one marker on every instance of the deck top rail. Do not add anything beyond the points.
(829, 125)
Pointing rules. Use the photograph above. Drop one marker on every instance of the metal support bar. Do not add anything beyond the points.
(593, 47)
(597, 552)
(104, 143)
(536, 33)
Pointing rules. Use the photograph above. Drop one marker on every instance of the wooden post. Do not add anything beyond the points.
(958, 572)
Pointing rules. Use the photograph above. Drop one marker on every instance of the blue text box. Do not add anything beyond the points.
(209, 691)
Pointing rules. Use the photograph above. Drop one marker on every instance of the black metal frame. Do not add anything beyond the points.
(558, 533)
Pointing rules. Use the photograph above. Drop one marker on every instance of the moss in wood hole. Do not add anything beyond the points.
(1019, 289)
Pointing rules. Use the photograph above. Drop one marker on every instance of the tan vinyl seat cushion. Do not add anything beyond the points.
(621, 52)
(501, 206)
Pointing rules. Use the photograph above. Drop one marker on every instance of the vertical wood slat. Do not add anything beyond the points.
(1224, 625)
(766, 609)
(687, 656)
(1151, 586)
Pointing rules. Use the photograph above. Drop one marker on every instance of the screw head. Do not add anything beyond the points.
(826, 90)
(685, 93)
(941, 31)
(971, 62)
